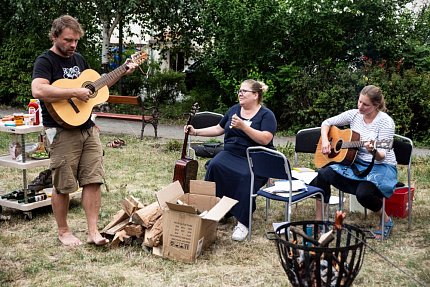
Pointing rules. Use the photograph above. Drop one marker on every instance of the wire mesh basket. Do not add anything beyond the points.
(309, 264)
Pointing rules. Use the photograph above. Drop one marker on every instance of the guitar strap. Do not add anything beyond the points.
(366, 171)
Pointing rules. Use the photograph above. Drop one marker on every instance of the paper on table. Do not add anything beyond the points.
(306, 176)
(283, 186)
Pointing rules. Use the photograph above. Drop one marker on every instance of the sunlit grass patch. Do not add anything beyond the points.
(31, 255)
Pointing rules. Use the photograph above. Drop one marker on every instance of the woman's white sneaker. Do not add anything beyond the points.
(240, 232)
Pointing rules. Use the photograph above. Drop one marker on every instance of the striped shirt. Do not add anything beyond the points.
(381, 128)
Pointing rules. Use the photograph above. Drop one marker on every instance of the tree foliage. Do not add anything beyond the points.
(315, 53)
(31, 21)
(24, 36)
(311, 53)
(175, 25)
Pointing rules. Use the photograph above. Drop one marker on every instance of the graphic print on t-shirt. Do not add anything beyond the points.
(71, 73)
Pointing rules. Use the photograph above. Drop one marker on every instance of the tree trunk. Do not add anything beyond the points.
(107, 30)
(105, 46)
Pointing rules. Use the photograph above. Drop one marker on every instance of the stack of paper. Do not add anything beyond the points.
(282, 187)
(303, 173)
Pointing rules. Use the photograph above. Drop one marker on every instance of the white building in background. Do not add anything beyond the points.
(169, 61)
(415, 5)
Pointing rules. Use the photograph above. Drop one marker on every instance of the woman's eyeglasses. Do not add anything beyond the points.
(243, 91)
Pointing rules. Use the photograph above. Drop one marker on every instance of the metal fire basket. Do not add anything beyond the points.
(309, 264)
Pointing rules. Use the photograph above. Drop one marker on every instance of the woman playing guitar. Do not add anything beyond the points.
(373, 175)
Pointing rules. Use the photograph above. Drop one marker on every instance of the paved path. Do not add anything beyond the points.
(115, 126)
(164, 131)
(175, 132)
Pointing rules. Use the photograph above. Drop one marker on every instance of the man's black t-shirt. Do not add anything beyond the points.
(53, 67)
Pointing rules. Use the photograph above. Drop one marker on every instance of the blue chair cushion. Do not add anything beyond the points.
(311, 190)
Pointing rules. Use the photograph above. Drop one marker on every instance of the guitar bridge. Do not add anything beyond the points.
(75, 108)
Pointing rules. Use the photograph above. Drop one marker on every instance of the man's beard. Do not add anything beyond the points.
(65, 52)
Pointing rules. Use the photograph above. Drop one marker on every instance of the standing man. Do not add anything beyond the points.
(76, 154)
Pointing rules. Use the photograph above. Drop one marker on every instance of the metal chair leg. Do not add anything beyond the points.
(382, 219)
(267, 208)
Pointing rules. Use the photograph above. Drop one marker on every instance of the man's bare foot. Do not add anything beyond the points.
(68, 239)
(97, 239)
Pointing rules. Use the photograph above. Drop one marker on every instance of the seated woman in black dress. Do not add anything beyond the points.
(245, 124)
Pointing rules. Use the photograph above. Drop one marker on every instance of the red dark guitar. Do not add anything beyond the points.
(186, 168)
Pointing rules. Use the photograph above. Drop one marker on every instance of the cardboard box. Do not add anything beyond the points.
(185, 233)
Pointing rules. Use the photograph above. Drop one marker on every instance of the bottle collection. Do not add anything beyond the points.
(18, 195)
(36, 151)
(33, 117)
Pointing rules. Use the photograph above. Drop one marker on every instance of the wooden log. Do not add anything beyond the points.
(157, 251)
(118, 227)
(147, 215)
(117, 218)
(326, 238)
(136, 202)
(129, 206)
(146, 242)
(119, 237)
(304, 235)
(153, 235)
(134, 230)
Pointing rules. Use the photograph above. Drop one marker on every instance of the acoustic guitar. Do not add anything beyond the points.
(344, 147)
(186, 168)
(73, 112)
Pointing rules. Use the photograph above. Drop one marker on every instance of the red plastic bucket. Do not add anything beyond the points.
(397, 204)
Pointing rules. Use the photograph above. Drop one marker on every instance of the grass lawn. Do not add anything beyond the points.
(31, 255)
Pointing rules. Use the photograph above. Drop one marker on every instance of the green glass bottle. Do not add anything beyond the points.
(35, 198)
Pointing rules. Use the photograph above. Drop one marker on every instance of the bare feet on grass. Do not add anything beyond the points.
(97, 239)
(68, 239)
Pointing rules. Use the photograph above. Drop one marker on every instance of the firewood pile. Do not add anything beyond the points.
(313, 256)
(135, 224)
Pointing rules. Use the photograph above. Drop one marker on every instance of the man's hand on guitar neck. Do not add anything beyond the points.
(131, 66)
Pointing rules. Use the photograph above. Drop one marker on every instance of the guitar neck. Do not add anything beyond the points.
(184, 146)
(110, 77)
(353, 144)
(385, 144)
(194, 109)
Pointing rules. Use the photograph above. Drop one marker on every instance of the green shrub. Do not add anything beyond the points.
(173, 145)
(166, 86)
(287, 150)
(307, 98)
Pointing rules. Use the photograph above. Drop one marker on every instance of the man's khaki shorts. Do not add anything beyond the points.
(76, 157)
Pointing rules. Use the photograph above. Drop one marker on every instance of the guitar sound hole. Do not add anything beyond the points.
(90, 87)
(338, 146)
